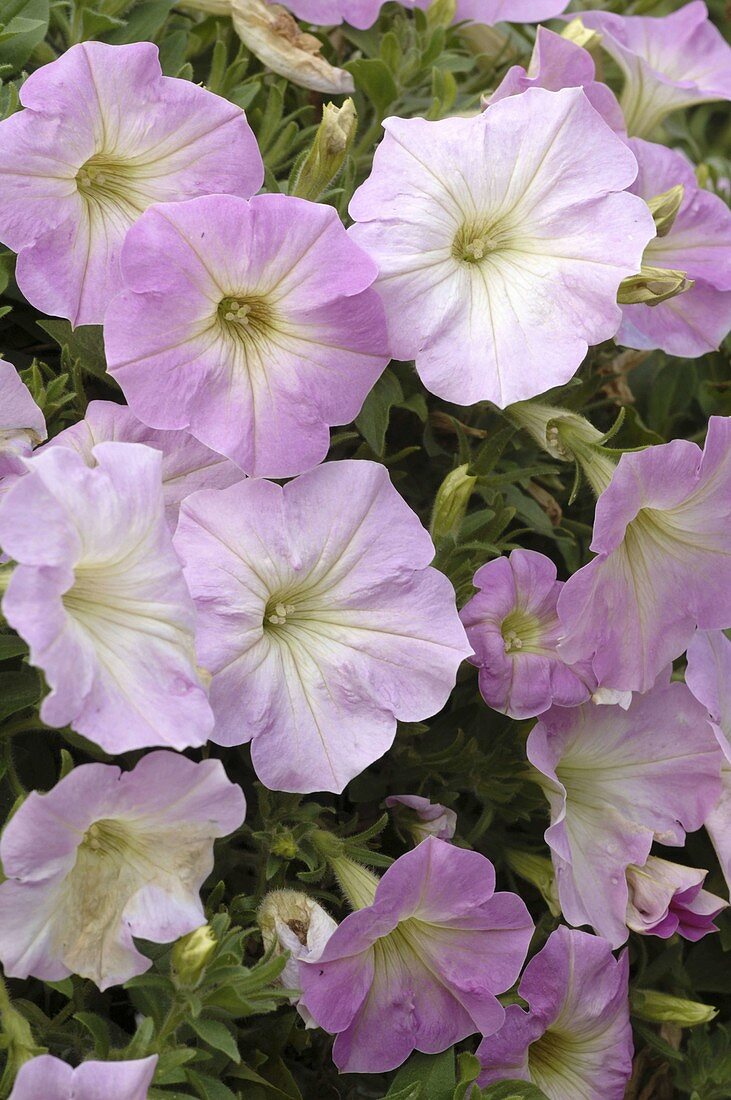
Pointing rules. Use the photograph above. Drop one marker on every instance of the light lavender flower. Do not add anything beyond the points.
(501, 242)
(103, 135)
(319, 619)
(575, 1040)
(615, 781)
(107, 855)
(419, 965)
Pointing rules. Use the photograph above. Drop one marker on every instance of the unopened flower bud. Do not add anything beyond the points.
(660, 1008)
(537, 870)
(191, 956)
(576, 32)
(423, 818)
(664, 208)
(450, 505)
(328, 152)
(652, 285)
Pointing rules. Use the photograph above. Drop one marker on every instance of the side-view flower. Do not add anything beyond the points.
(22, 424)
(319, 619)
(616, 780)
(103, 135)
(98, 593)
(108, 855)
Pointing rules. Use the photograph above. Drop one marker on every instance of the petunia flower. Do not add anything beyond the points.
(513, 627)
(292, 921)
(501, 241)
(575, 1040)
(48, 1078)
(251, 325)
(187, 465)
(105, 134)
(558, 63)
(662, 565)
(665, 898)
(489, 12)
(425, 818)
(319, 620)
(668, 62)
(98, 593)
(697, 243)
(616, 780)
(22, 424)
(708, 676)
(419, 966)
(107, 855)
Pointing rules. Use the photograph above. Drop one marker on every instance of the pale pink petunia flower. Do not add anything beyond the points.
(252, 325)
(699, 244)
(616, 780)
(105, 856)
(48, 1078)
(501, 241)
(103, 135)
(319, 619)
(22, 424)
(99, 595)
(668, 61)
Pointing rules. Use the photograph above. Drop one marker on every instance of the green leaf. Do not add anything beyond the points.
(85, 344)
(218, 1036)
(434, 1073)
(513, 1090)
(469, 1069)
(24, 25)
(18, 690)
(209, 1088)
(143, 24)
(373, 77)
(97, 1028)
(11, 646)
(372, 421)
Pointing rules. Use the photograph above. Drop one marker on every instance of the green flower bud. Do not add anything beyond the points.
(328, 151)
(662, 1008)
(664, 208)
(18, 1041)
(576, 32)
(537, 870)
(191, 955)
(450, 505)
(651, 286)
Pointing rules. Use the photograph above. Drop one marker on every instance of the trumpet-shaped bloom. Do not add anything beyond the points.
(107, 855)
(558, 63)
(709, 678)
(668, 62)
(514, 629)
(98, 593)
(575, 1040)
(662, 565)
(22, 424)
(251, 325)
(427, 818)
(698, 243)
(187, 465)
(319, 620)
(665, 898)
(105, 134)
(48, 1078)
(615, 781)
(420, 967)
(501, 241)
